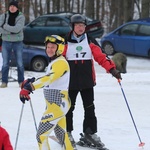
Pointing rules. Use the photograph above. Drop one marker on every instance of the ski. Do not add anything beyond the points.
(90, 146)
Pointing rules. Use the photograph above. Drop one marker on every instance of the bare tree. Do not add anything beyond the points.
(128, 10)
(90, 8)
(112, 12)
(78, 6)
(102, 9)
(82, 6)
(65, 5)
(71, 8)
(145, 8)
(34, 4)
(41, 8)
(69, 5)
(48, 6)
(6, 4)
(2, 7)
(26, 6)
(56, 6)
(97, 9)
(119, 13)
(112, 15)
(137, 4)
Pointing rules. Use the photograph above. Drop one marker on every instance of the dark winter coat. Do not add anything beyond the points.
(82, 73)
(4, 140)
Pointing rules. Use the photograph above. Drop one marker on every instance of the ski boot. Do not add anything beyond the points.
(72, 140)
(91, 141)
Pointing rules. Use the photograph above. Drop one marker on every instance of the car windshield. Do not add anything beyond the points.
(40, 21)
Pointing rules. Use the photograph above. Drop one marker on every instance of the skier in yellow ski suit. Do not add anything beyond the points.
(55, 84)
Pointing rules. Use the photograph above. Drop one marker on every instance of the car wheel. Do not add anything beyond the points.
(38, 64)
(108, 48)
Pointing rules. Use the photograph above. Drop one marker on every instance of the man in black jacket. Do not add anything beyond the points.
(79, 51)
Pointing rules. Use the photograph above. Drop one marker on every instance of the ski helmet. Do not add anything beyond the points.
(58, 40)
(77, 18)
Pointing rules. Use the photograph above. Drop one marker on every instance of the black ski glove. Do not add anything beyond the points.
(26, 89)
(25, 82)
(115, 73)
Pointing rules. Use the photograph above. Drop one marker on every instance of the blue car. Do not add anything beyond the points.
(131, 38)
(34, 58)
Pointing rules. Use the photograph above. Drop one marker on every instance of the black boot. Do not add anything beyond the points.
(91, 141)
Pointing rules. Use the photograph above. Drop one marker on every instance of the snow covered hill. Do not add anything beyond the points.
(115, 126)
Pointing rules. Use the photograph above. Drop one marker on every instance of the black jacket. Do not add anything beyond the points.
(82, 72)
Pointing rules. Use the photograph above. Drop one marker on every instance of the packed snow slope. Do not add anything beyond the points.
(115, 126)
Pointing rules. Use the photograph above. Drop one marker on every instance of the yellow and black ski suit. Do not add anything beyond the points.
(55, 85)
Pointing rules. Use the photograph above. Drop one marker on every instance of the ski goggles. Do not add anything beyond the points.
(54, 39)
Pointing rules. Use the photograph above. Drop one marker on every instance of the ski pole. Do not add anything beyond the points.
(19, 126)
(33, 115)
(141, 143)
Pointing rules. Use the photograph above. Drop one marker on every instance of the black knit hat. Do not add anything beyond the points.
(14, 3)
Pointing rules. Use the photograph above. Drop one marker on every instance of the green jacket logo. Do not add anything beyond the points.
(79, 48)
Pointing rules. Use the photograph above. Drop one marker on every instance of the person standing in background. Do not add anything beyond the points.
(11, 27)
(80, 50)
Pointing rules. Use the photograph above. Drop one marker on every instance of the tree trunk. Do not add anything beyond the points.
(97, 9)
(102, 9)
(112, 18)
(128, 10)
(27, 11)
(78, 6)
(20, 4)
(90, 8)
(138, 4)
(145, 8)
(48, 6)
(82, 6)
(57, 5)
(65, 5)
(35, 8)
(41, 8)
(6, 5)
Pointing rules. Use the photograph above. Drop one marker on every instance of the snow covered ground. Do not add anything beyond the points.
(115, 126)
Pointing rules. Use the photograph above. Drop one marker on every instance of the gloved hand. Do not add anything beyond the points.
(26, 89)
(115, 73)
(24, 95)
(25, 82)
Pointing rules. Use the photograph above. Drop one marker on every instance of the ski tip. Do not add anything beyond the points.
(141, 144)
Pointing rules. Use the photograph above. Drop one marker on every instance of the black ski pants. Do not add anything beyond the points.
(90, 121)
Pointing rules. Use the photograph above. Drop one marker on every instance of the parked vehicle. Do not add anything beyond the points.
(34, 58)
(130, 38)
(56, 23)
